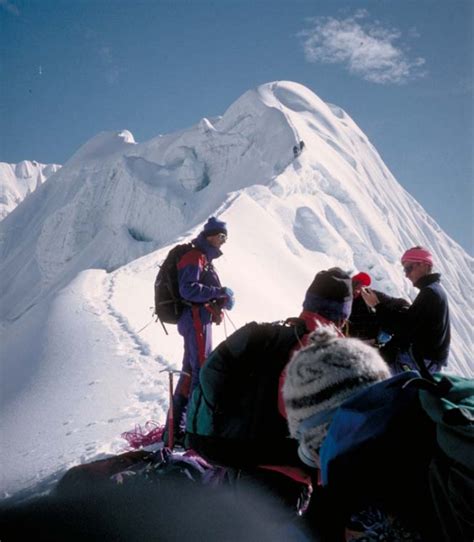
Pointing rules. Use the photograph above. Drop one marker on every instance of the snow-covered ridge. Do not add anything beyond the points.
(18, 181)
(79, 257)
(116, 199)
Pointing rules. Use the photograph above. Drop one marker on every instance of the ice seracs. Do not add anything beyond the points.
(18, 181)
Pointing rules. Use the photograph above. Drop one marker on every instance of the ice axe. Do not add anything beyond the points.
(171, 372)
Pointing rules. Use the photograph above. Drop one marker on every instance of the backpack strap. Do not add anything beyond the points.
(436, 387)
(296, 321)
(440, 386)
(298, 324)
(421, 366)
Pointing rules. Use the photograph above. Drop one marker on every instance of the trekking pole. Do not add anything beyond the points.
(171, 372)
(163, 325)
(145, 326)
(225, 328)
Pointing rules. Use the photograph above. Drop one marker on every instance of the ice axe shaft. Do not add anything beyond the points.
(171, 373)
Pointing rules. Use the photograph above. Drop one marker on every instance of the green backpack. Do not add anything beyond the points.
(450, 405)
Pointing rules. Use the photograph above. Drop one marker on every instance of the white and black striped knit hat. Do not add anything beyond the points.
(320, 377)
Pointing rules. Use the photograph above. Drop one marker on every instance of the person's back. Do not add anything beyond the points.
(233, 416)
(236, 416)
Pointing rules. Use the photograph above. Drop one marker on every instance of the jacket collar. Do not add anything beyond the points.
(427, 280)
(313, 320)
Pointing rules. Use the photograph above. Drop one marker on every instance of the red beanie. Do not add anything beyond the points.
(362, 278)
(418, 254)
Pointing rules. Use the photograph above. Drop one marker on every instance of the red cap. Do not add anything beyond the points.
(362, 278)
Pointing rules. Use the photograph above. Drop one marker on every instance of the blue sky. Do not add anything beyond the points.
(403, 69)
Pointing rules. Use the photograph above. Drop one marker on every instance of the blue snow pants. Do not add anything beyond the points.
(195, 325)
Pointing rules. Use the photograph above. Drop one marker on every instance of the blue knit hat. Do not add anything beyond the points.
(214, 226)
(330, 295)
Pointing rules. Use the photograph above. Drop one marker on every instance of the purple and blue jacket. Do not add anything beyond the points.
(199, 285)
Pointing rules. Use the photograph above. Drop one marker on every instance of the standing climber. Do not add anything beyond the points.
(424, 329)
(205, 299)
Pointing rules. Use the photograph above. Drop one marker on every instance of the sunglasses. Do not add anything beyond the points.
(222, 236)
(409, 268)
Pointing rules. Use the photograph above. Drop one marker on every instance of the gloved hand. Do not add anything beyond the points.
(382, 338)
(229, 299)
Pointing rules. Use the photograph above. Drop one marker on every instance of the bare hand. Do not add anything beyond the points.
(370, 298)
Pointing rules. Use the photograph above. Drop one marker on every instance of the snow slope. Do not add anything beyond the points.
(19, 180)
(79, 257)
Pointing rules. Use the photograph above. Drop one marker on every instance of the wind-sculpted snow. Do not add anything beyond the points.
(116, 199)
(103, 146)
(17, 181)
(314, 233)
(118, 206)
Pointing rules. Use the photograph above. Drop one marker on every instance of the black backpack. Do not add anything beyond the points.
(168, 303)
(233, 416)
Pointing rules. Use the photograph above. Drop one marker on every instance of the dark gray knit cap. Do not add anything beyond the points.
(330, 294)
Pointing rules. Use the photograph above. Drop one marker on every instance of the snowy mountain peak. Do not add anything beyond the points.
(102, 146)
(80, 255)
(116, 200)
(25, 169)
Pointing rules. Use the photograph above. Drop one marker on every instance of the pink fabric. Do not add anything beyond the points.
(363, 278)
(418, 254)
(295, 473)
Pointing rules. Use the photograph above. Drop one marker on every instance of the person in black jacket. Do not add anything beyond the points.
(364, 322)
(423, 331)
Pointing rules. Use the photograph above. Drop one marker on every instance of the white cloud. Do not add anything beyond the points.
(367, 48)
(9, 7)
